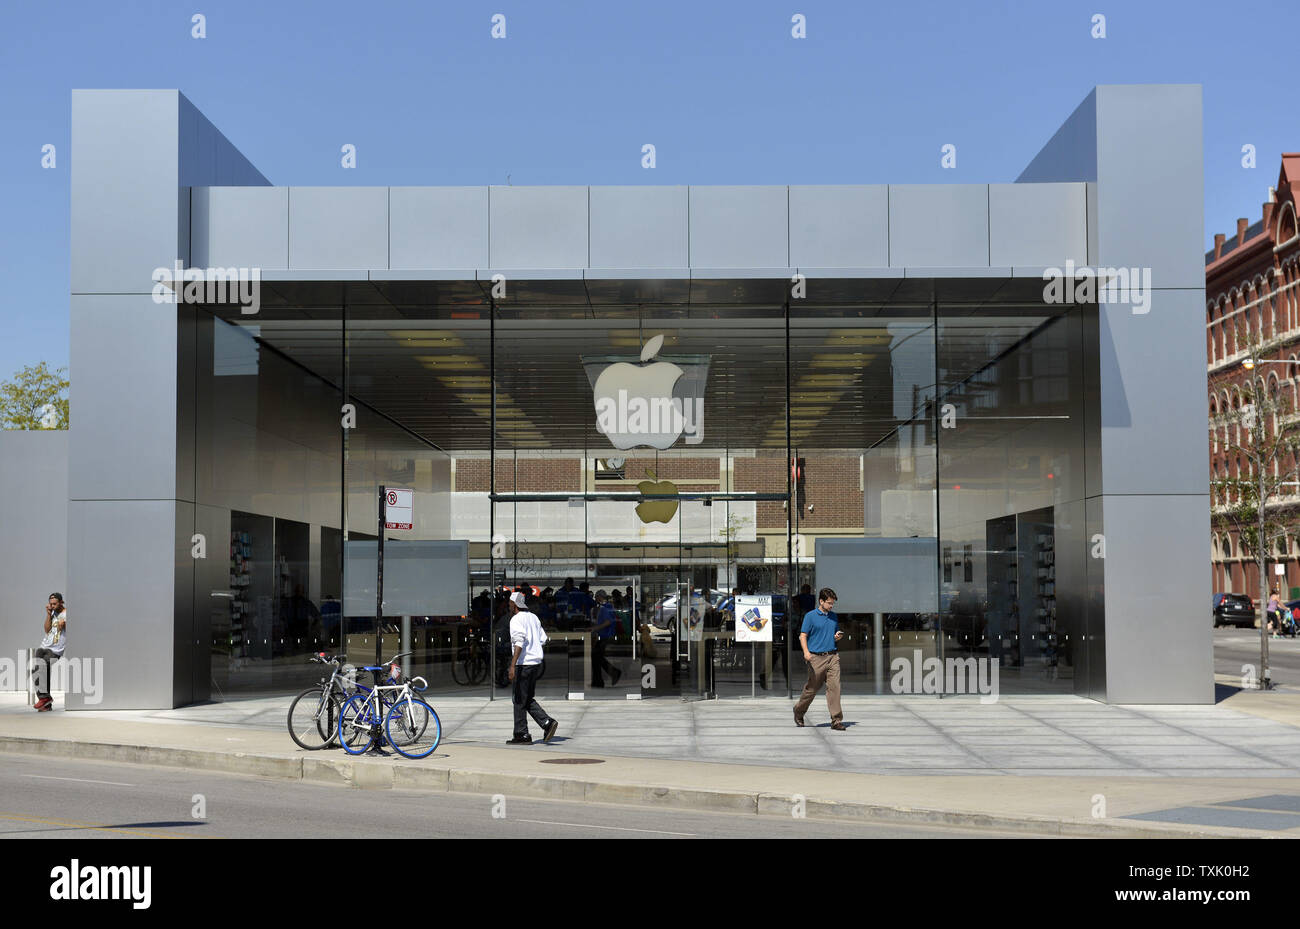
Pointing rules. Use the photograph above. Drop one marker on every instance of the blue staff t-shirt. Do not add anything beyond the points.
(606, 615)
(820, 628)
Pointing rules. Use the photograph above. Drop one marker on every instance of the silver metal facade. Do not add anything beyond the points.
(1098, 193)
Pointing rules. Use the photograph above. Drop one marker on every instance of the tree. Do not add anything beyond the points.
(36, 398)
(1263, 451)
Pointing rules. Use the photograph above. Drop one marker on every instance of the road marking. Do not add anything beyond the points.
(55, 822)
(547, 822)
(79, 780)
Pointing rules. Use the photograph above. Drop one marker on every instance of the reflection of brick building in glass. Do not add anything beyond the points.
(831, 497)
(1252, 298)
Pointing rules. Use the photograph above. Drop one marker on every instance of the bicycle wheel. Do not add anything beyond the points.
(313, 718)
(413, 728)
(476, 670)
(356, 724)
(408, 727)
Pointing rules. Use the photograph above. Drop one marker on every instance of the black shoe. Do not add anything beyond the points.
(595, 684)
(613, 678)
(550, 730)
(839, 727)
(798, 720)
(526, 740)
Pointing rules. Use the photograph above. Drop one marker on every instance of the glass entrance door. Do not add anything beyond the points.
(640, 447)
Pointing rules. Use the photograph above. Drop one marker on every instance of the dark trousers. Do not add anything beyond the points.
(42, 661)
(525, 702)
(600, 663)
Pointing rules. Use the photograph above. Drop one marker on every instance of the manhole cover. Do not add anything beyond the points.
(573, 761)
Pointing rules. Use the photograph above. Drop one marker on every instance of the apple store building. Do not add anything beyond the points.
(976, 411)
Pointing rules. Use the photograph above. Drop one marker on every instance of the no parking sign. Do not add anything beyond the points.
(399, 509)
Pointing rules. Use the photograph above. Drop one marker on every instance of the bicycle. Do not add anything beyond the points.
(314, 713)
(470, 666)
(409, 724)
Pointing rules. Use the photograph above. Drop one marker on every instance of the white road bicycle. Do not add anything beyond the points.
(390, 713)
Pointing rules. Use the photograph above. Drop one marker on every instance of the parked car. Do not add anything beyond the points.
(665, 611)
(1232, 609)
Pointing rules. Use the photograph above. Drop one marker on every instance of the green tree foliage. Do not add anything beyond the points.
(36, 398)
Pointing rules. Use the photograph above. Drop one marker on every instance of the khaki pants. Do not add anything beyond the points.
(822, 669)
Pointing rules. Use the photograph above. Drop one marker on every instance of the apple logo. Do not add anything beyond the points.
(656, 511)
(634, 402)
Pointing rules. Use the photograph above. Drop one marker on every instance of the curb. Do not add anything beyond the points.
(385, 774)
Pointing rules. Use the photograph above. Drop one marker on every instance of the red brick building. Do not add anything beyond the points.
(1252, 297)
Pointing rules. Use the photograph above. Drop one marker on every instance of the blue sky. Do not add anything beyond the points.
(569, 97)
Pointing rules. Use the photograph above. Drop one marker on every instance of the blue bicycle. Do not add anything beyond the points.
(391, 713)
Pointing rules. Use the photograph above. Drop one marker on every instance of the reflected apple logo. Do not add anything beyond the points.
(656, 511)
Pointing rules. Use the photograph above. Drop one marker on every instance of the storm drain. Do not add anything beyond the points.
(573, 761)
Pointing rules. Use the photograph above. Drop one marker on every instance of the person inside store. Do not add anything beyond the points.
(603, 631)
(804, 600)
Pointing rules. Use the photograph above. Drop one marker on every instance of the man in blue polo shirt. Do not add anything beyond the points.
(818, 638)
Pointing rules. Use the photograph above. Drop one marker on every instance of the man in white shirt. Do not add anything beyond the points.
(51, 650)
(527, 639)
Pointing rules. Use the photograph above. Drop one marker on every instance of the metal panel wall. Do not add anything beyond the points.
(240, 227)
(538, 227)
(134, 155)
(740, 227)
(1148, 483)
(438, 227)
(1150, 142)
(839, 227)
(1038, 224)
(639, 227)
(338, 228)
(34, 536)
(936, 226)
(122, 586)
(124, 188)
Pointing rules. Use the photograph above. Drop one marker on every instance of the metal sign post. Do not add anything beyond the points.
(379, 577)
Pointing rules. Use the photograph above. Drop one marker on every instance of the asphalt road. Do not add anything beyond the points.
(1235, 647)
(62, 798)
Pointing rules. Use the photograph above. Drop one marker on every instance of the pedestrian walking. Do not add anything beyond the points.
(602, 633)
(818, 638)
(527, 639)
(51, 650)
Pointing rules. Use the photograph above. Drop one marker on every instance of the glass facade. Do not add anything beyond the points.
(659, 455)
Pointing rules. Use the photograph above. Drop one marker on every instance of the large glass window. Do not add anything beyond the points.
(636, 462)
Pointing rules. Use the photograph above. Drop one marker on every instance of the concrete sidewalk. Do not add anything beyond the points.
(1044, 765)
